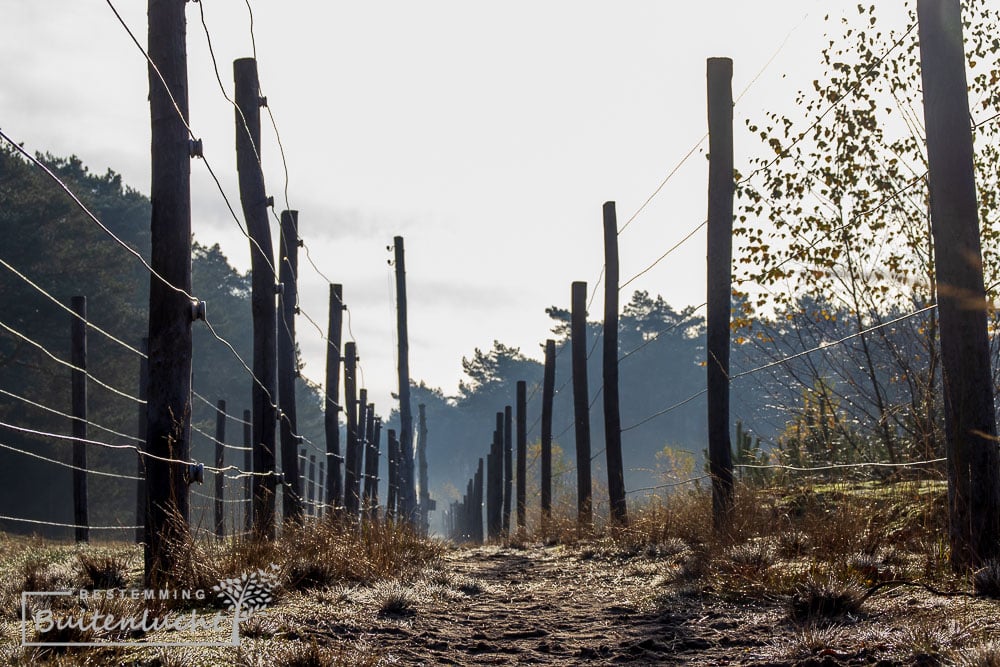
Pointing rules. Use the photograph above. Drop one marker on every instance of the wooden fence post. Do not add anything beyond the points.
(612, 411)
(508, 467)
(248, 467)
(522, 452)
(255, 202)
(548, 393)
(320, 495)
(374, 454)
(362, 447)
(424, 504)
(351, 413)
(78, 390)
(406, 493)
(140, 484)
(581, 404)
(368, 475)
(292, 489)
(220, 478)
(973, 483)
(331, 423)
(168, 434)
(311, 499)
(390, 493)
(477, 505)
(721, 187)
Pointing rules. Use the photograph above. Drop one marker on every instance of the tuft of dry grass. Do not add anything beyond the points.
(986, 580)
(103, 570)
(822, 598)
(394, 599)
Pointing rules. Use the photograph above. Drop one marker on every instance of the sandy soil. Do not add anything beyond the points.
(551, 605)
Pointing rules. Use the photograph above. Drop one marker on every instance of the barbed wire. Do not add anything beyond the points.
(69, 310)
(37, 522)
(59, 413)
(69, 365)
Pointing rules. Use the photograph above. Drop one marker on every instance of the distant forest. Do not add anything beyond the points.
(875, 398)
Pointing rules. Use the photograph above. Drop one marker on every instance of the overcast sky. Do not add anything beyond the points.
(487, 134)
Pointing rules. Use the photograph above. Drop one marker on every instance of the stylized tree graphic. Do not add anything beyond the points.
(249, 593)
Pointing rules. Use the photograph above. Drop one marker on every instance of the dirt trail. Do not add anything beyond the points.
(545, 606)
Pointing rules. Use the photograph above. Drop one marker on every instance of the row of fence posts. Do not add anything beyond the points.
(171, 316)
(975, 524)
(463, 519)
(498, 463)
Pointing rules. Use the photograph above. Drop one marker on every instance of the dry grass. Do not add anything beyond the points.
(818, 548)
(324, 559)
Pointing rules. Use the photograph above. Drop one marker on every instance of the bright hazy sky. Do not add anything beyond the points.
(487, 134)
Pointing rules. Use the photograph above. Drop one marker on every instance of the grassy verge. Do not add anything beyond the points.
(315, 568)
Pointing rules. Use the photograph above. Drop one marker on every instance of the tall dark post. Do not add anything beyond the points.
(168, 434)
(407, 494)
(254, 201)
(371, 462)
(581, 403)
(220, 478)
(368, 474)
(970, 423)
(522, 452)
(288, 370)
(548, 393)
(319, 508)
(393, 454)
(351, 412)
(477, 505)
(78, 390)
(140, 484)
(721, 185)
(425, 504)
(359, 457)
(331, 423)
(508, 466)
(311, 488)
(494, 483)
(612, 411)
(248, 467)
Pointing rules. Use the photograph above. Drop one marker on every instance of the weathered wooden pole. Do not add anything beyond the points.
(492, 529)
(522, 452)
(612, 411)
(548, 394)
(311, 489)
(78, 391)
(581, 403)
(721, 187)
(331, 422)
(320, 494)
(140, 484)
(168, 413)
(375, 454)
(424, 504)
(477, 505)
(362, 447)
(369, 475)
(393, 454)
(262, 286)
(220, 478)
(970, 423)
(406, 493)
(351, 413)
(508, 466)
(248, 467)
(288, 269)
